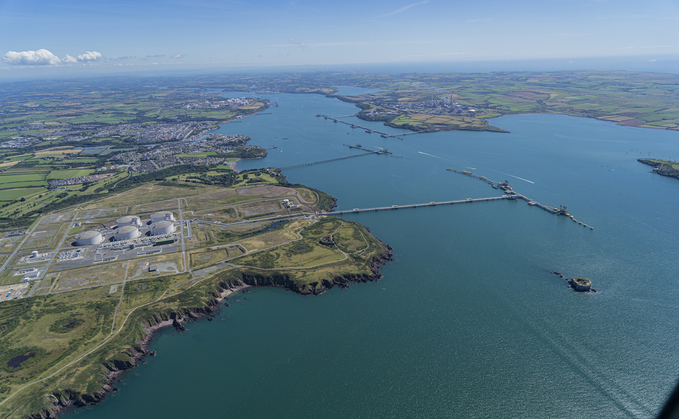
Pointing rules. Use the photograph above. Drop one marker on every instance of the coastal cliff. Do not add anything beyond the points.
(284, 280)
(65, 399)
(663, 167)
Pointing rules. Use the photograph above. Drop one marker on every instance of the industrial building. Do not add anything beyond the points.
(126, 233)
(88, 238)
(162, 216)
(162, 227)
(128, 220)
(31, 275)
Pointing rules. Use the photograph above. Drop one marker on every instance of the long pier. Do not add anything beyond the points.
(368, 130)
(360, 147)
(328, 161)
(428, 204)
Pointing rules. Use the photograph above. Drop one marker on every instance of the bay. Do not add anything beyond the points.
(467, 322)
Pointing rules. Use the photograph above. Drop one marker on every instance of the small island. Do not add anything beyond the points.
(580, 284)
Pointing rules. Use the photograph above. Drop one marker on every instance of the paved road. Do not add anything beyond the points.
(27, 235)
(56, 251)
(181, 234)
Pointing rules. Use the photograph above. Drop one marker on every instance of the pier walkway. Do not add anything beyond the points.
(368, 130)
(328, 161)
(509, 195)
(562, 210)
(428, 204)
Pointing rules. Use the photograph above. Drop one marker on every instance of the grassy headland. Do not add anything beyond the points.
(663, 167)
(80, 325)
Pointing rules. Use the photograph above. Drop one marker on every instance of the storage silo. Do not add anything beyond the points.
(162, 227)
(162, 216)
(127, 233)
(128, 220)
(88, 238)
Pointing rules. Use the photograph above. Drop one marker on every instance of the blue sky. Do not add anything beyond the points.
(75, 36)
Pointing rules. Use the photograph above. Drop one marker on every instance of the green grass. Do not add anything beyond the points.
(14, 194)
(22, 184)
(20, 157)
(21, 178)
(67, 174)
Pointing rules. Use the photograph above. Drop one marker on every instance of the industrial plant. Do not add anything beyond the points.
(89, 238)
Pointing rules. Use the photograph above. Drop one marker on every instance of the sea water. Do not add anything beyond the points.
(468, 321)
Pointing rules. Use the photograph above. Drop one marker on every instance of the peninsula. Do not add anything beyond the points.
(663, 167)
(122, 210)
(80, 309)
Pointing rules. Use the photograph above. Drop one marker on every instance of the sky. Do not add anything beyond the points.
(72, 37)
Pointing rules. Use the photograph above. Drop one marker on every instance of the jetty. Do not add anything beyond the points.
(368, 152)
(428, 204)
(504, 186)
(366, 129)
(360, 147)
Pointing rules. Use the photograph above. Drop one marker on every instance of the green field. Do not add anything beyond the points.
(67, 174)
(15, 194)
(21, 178)
(22, 184)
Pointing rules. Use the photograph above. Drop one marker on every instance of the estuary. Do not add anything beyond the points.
(468, 321)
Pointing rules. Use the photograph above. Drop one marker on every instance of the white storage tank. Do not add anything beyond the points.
(162, 227)
(127, 233)
(128, 220)
(162, 216)
(88, 238)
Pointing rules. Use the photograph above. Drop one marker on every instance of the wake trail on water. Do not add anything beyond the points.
(431, 155)
(520, 178)
(473, 168)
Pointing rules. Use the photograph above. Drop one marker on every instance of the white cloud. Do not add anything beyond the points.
(90, 56)
(176, 57)
(39, 57)
(69, 59)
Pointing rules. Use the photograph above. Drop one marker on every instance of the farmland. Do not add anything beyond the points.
(648, 100)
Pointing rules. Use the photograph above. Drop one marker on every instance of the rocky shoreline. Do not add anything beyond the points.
(67, 399)
(662, 167)
(342, 281)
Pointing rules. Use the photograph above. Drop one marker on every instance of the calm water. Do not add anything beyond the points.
(467, 322)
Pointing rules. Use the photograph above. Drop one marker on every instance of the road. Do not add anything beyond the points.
(56, 251)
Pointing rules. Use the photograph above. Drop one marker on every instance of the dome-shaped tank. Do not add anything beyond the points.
(162, 227)
(129, 220)
(162, 216)
(88, 238)
(127, 233)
